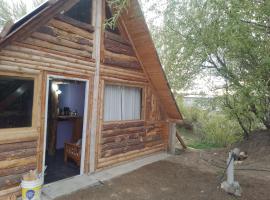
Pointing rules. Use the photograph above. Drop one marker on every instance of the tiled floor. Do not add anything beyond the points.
(57, 169)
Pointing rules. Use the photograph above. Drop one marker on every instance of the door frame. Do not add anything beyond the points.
(85, 115)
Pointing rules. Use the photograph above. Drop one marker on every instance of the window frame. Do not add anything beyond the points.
(143, 101)
(35, 114)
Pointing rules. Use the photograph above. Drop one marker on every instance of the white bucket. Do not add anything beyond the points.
(31, 190)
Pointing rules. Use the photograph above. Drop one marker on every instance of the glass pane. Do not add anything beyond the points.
(81, 11)
(16, 102)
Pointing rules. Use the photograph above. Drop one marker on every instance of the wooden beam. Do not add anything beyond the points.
(97, 44)
(180, 140)
(172, 137)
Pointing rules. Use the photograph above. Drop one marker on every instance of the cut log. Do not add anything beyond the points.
(120, 63)
(71, 29)
(112, 152)
(117, 38)
(17, 146)
(48, 45)
(76, 23)
(121, 125)
(17, 170)
(61, 42)
(48, 53)
(124, 131)
(118, 47)
(10, 181)
(125, 136)
(22, 153)
(65, 35)
(17, 162)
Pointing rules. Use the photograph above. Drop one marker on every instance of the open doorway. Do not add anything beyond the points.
(65, 128)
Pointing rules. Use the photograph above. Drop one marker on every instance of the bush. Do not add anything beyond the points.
(213, 128)
(218, 130)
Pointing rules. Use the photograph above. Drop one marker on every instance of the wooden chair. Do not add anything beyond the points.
(73, 152)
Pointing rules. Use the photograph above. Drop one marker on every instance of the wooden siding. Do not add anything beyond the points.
(59, 48)
(119, 52)
(123, 140)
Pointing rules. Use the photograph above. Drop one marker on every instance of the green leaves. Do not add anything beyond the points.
(117, 6)
(230, 38)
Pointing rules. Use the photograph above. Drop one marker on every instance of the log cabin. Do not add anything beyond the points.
(78, 97)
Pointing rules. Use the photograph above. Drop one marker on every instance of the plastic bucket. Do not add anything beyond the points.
(31, 190)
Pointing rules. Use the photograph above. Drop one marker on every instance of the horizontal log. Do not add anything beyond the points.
(116, 159)
(65, 35)
(113, 152)
(125, 143)
(40, 66)
(61, 42)
(118, 138)
(15, 135)
(150, 138)
(48, 53)
(153, 143)
(22, 153)
(76, 23)
(42, 59)
(17, 162)
(71, 29)
(10, 181)
(17, 170)
(117, 38)
(49, 45)
(124, 81)
(122, 73)
(121, 125)
(129, 77)
(120, 57)
(7, 193)
(122, 131)
(17, 69)
(118, 47)
(17, 146)
(125, 64)
(47, 30)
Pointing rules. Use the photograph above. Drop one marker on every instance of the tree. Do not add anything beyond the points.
(14, 10)
(230, 39)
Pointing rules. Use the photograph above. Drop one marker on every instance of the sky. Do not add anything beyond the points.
(203, 83)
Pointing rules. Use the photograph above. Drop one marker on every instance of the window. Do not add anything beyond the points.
(122, 103)
(16, 102)
(81, 11)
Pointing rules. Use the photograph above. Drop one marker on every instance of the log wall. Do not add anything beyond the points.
(119, 53)
(61, 47)
(124, 140)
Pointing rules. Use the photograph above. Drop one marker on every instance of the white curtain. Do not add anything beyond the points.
(131, 103)
(112, 103)
(122, 103)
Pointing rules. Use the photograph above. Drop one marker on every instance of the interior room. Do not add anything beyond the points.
(64, 129)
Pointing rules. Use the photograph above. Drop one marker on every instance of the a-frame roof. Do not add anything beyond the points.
(138, 33)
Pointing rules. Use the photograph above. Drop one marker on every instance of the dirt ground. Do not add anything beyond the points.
(192, 175)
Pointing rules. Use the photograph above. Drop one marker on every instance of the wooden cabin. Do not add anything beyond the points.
(78, 97)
